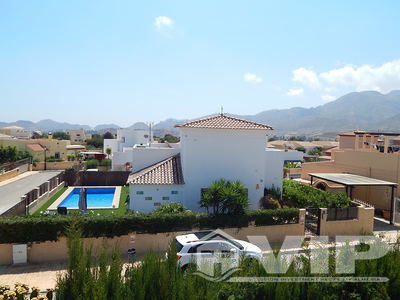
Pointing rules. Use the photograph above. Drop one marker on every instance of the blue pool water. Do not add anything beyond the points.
(96, 197)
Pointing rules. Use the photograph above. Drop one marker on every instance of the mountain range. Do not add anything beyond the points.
(359, 110)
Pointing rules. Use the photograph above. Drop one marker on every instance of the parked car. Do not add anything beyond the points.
(194, 246)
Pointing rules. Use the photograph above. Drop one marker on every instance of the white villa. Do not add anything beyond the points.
(127, 138)
(210, 149)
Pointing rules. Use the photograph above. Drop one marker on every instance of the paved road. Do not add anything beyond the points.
(10, 194)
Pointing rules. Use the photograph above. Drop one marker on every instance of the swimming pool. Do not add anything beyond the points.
(97, 198)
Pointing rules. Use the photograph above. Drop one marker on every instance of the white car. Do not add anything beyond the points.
(194, 246)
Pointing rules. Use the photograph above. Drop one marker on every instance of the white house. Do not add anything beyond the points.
(126, 138)
(210, 149)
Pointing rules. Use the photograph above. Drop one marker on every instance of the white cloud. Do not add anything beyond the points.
(252, 78)
(295, 92)
(328, 98)
(307, 77)
(162, 23)
(383, 78)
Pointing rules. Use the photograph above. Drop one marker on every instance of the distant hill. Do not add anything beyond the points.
(362, 110)
(45, 125)
(358, 110)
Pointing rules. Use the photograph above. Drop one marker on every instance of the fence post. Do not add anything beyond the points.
(302, 215)
(23, 199)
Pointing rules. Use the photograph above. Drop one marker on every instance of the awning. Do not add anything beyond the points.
(351, 180)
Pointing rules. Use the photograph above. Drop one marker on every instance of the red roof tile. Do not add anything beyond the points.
(224, 122)
(35, 147)
(168, 171)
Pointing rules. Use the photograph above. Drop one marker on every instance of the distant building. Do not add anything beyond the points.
(362, 140)
(366, 153)
(16, 132)
(127, 138)
(78, 136)
(36, 147)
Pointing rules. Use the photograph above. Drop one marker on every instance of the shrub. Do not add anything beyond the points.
(53, 159)
(301, 149)
(269, 202)
(299, 195)
(23, 229)
(171, 208)
(105, 162)
(316, 151)
(92, 164)
(225, 197)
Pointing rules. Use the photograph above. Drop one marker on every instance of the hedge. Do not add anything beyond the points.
(23, 229)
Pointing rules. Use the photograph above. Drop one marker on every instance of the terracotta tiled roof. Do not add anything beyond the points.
(168, 171)
(35, 147)
(224, 122)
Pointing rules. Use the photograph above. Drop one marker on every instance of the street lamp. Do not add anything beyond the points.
(45, 165)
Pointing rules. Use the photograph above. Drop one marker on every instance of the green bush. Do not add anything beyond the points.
(91, 164)
(299, 195)
(53, 159)
(105, 162)
(22, 229)
(171, 208)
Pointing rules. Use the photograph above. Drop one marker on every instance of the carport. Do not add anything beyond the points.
(351, 180)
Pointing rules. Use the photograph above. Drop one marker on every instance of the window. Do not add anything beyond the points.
(174, 192)
(57, 155)
(157, 203)
(165, 198)
(148, 198)
(139, 193)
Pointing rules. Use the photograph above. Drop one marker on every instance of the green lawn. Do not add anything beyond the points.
(50, 201)
(122, 208)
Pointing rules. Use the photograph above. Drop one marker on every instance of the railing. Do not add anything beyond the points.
(22, 206)
(13, 165)
(357, 201)
(347, 213)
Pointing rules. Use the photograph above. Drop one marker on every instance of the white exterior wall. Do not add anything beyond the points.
(111, 143)
(130, 137)
(145, 157)
(126, 137)
(274, 161)
(211, 154)
(140, 158)
(138, 202)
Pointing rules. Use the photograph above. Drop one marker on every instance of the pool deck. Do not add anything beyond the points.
(115, 202)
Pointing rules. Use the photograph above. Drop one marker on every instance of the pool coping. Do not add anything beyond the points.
(115, 202)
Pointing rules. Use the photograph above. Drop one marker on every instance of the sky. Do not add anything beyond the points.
(95, 62)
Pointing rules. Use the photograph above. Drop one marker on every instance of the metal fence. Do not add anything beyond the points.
(13, 165)
(101, 178)
(347, 213)
(21, 207)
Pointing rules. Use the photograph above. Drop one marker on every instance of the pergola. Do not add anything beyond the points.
(351, 180)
